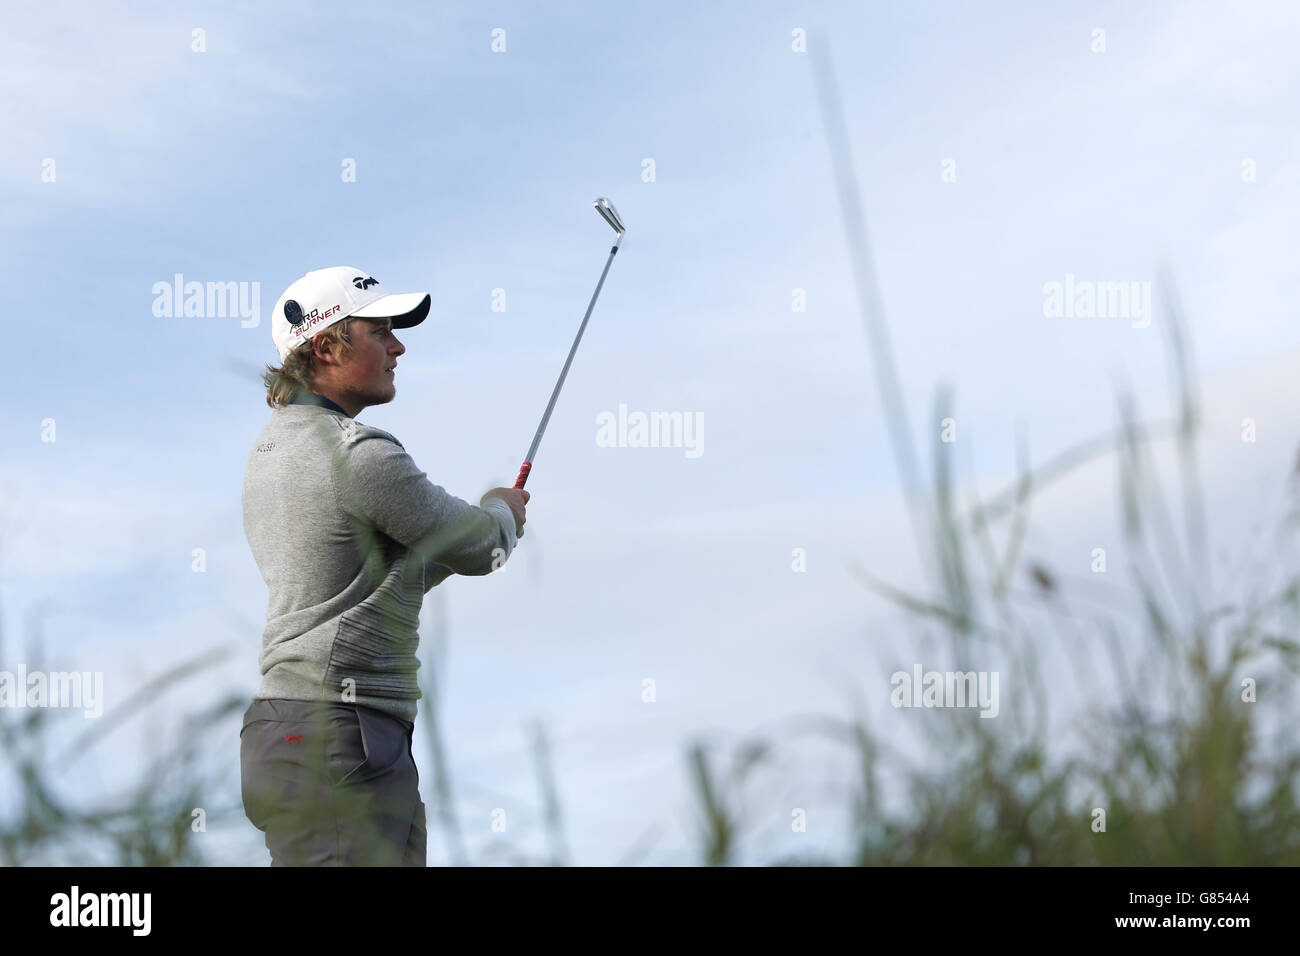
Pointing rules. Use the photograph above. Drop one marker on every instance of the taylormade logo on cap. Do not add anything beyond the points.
(325, 296)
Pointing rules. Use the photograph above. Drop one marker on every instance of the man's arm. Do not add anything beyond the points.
(381, 482)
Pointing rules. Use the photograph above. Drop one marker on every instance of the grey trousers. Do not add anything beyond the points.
(331, 784)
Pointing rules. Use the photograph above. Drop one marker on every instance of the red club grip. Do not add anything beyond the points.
(524, 469)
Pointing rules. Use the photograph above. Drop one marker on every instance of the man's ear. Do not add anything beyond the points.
(321, 349)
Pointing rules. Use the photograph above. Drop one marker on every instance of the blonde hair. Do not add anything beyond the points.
(296, 375)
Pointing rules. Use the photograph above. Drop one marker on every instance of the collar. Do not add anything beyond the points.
(312, 398)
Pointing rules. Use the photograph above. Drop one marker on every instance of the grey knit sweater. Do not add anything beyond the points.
(349, 536)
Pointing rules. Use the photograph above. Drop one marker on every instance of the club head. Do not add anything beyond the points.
(609, 214)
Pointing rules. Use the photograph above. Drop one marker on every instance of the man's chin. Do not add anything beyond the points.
(375, 398)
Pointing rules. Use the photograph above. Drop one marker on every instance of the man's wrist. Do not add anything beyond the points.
(499, 508)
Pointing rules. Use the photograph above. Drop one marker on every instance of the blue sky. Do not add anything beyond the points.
(476, 171)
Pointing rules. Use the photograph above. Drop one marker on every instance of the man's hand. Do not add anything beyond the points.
(517, 499)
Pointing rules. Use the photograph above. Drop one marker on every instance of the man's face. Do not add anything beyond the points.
(364, 376)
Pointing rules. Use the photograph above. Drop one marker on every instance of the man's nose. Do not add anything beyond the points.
(399, 348)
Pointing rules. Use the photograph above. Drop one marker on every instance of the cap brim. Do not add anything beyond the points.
(404, 308)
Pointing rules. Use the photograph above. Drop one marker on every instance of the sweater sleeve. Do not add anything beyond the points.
(389, 490)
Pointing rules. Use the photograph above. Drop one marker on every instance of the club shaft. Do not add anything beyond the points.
(550, 406)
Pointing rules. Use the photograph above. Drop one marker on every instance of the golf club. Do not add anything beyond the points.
(610, 215)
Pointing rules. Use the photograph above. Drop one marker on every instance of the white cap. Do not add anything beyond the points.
(325, 296)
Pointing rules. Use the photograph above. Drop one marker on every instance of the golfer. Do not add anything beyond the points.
(349, 535)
